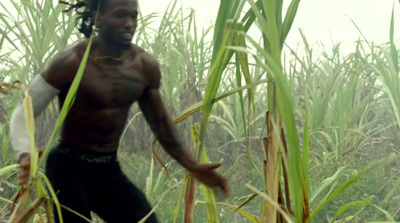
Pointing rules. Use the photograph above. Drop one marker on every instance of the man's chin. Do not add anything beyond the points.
(124, 45)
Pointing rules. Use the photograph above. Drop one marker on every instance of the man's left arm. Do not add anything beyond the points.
(163, 128)
(166, 133)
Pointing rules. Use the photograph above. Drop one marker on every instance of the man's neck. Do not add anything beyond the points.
(104, 48)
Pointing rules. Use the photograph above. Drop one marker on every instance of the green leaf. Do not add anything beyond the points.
(326, 183)
(344, 186)
(69, 100)
(6, 169)
(343, 208)
(53, 195)
(246, 214)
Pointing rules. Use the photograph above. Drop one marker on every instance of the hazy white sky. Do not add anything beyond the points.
(321, 20)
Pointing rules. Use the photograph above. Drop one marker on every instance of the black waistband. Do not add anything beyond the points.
(87, 155)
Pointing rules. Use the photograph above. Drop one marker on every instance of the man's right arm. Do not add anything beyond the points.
(41, 93)
(42, 89)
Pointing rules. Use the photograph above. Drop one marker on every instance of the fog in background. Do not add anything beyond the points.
(323, 21)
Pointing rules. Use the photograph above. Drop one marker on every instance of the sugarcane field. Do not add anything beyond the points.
(229, 111)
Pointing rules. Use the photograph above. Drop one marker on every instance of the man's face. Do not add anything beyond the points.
(118, 22)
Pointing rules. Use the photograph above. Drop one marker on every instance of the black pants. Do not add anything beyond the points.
(94, 182)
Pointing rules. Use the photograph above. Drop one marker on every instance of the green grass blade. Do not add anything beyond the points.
(245, 214)
(274, 32)
(6, 200)
(271, 202)
(30, 125)
(289, 18)
(53, 195)
(196, 107)
(344, 186)
(343, 208)
(393, 51)
(69, 99)
(222, 17)
(214, 80)
(249, 18)
(306, 154)
(326, 183)
(190, 196)
(208, 193)
(285, 105)
(238, 80)
(6, 169)
(181, 195)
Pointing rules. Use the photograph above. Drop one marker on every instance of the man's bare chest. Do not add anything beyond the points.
(111, 86)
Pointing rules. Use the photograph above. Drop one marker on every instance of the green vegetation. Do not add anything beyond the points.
(340, 113)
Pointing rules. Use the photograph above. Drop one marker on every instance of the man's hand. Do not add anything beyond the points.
(25, 165)
(207, 175)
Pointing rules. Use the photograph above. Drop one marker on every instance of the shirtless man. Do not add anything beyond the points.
(83, 166)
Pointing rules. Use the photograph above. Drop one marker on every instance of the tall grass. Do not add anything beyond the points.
(35, 28)
(338, 112)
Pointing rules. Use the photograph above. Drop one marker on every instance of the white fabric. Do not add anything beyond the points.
(41, 93)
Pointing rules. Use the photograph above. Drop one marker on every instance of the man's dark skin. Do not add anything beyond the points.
(117, 74)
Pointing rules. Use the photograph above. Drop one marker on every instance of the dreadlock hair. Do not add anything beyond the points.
(84, 9)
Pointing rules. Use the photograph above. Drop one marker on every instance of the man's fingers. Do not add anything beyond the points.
(207, 175)
(22, 182)
(226, 189)
(24, 165)
(212, 166)
(23, 178)
(23, 173)
(221, 191)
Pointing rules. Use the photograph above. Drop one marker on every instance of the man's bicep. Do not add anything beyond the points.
(61, 70)
(55, 78)
(152, 71)
(162, 126)
(152, 106)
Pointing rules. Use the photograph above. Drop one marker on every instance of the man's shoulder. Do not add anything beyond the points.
(148, 63)
(72, 55)
(64, 65)
(68, 58)
(143, 55)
